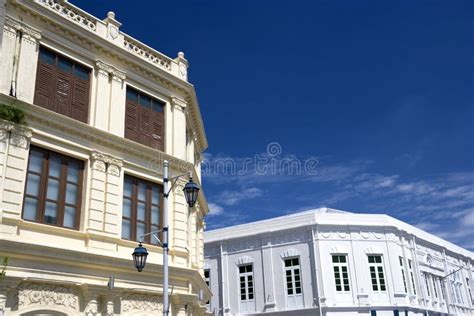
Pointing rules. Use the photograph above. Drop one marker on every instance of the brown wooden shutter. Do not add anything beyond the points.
(45, 78)
(158, 133)
(63, 93)
(145, 126)
(131, 121)
(80, 100)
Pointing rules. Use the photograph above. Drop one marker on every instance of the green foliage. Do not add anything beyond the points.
(4, 267)
(12, 114)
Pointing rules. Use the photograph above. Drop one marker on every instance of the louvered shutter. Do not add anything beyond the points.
(63, 93)
(131, 121)
(80, 99)
(45, 82)
(145, 126)
(158, 135)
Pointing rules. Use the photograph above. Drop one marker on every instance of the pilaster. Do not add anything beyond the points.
(14, 145)
(105, 197)
(179, 128)
(7, 53)
(102, 94)
(180, 218)
(268, 286)
(117, 104)
(27, 63)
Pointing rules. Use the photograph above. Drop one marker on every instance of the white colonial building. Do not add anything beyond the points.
(330, 262)
(81, 176)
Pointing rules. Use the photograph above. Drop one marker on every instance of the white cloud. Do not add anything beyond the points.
(215, 209)
(468, 218)
(228, 197)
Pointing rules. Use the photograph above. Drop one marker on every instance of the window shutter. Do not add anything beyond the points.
(145, 126)
(131, 121)
(62, 93)
(157, 135)
(80, 100)
(44, 85)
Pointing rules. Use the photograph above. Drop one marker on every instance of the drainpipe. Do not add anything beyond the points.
(16, 58)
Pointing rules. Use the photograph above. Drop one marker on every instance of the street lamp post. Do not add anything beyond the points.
(140, 254)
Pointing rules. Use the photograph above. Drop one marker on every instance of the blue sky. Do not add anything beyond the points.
(375, 97)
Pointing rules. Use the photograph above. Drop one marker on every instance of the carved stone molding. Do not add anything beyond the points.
(19, 135)
(288, 253)
(338, 249)
(106, 163)
(178, 103)
(29, 33)
(140, 303)
(109, 70)
(373, 250)
(47, 295)
(244, 260)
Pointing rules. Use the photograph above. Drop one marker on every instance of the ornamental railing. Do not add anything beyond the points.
(101, 28)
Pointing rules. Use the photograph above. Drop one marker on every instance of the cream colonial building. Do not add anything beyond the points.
(83, 179)
(330, 262)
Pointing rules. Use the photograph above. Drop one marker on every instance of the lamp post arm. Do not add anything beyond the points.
(452, 272)
(153, 233)
(174, 180)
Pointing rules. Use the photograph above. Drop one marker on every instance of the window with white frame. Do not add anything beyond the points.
(293, 282)
(246, 282)
(410, 267)
(377, 273)
(435, 290)
(341, 273)
(402, 268)
(443, 289)
(425, 277)
(207, 278)
(469, 289)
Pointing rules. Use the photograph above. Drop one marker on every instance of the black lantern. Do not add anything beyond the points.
(139, 257)
(191, 191)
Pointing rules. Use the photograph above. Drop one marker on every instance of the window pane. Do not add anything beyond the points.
(155, 215)
(287, 263)
(127, 208)
(128, 187)
(141, 191)
(30, 209)
(53, 189)
(132, 95)
(126, 229)
(335, 259)
(51, 213)
(342, 259)
(65, 65)
(157, 106)
(69, 217)
(145, 101)
(71, 194)
(54, 166)
(242, 270)
(33, 184)
(155, 196)
(81, 72)
(378, 259)
(47, 56)
(295, 262)
(141, 207)
(140, 230)
(73, 171)
(36, 161)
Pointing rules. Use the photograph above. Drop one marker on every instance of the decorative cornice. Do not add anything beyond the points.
(244, 260)
(103, 162)
(20, 135)
(13, 24)
(107, 48)
(178, 103)
(289, 253)
(109, 69)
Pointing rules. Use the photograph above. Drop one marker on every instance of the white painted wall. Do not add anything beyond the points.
(315, 236)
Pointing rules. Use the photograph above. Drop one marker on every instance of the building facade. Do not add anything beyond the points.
(81, 175)
(330, 262)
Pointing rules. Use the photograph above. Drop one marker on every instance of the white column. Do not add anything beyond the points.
(113, 197)
(27, 64)
(7, 53)
(102, 94)
(268, 282)
(117, 104)
(97, 187)
(179, 128)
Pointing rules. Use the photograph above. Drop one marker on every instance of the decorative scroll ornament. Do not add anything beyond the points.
(47, 295)
(103, 163)
(292, 252)
(244, 260)
(141, 303)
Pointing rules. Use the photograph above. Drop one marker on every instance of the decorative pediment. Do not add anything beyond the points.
(338, 250)
(244, 260)
(372, 250)
(292, 252)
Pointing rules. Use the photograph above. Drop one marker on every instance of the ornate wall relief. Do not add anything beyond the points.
(244, 260)
(140, 303)
(292, 252)
(47, 295)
